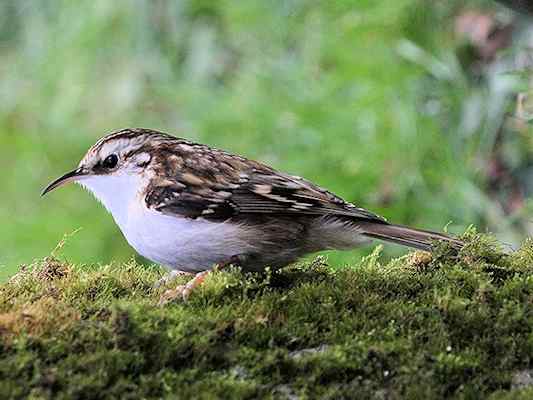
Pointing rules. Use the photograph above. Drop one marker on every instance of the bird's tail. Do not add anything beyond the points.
(411, 237)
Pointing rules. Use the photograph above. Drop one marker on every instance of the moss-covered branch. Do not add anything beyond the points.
(417, 327)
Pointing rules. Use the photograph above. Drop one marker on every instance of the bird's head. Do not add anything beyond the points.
(114, 167)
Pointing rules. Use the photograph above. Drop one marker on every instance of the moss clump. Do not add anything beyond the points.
(422, 326)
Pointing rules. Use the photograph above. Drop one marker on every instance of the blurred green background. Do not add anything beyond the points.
(400, 106)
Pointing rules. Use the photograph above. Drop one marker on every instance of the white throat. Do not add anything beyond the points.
(118, 193)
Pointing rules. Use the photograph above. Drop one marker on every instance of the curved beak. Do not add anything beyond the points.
(71, 176)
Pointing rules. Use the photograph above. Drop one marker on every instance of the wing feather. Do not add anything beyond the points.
(216, 185)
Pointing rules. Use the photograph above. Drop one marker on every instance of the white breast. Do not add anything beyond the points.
(183, 244)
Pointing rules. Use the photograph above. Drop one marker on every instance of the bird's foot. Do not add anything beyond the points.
(165, 280)
(182, 292)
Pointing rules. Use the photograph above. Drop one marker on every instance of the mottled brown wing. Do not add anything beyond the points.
(286, 194)
(217, 185)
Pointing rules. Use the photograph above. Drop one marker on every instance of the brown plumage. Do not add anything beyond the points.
(190, 206)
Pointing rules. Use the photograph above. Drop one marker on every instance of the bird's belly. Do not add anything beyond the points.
(183, 244)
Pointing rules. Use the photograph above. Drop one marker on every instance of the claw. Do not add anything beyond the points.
(182, 291)
(165, 280)
(172, 294)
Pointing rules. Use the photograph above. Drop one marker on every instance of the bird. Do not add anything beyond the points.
(190, 207)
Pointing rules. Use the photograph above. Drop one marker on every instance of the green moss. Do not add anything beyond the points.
(454, 325)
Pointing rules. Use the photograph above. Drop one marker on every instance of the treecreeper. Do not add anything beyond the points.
(190, 207)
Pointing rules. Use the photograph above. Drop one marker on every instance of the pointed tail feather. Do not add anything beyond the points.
(403, 235)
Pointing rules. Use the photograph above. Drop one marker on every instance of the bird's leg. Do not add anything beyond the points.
(165, 280)
(184, 291)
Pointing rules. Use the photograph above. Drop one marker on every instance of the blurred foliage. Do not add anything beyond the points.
(372, 99)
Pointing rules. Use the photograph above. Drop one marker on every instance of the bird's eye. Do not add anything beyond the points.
(110, 161)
